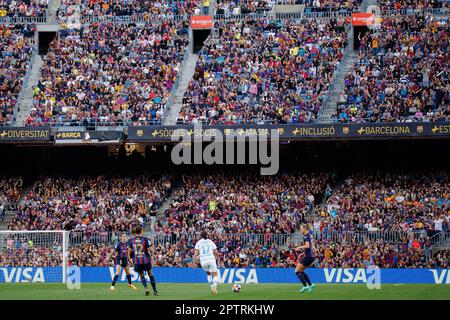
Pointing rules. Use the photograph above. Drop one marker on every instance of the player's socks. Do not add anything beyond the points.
(144, 282)
(153, 283)
(305, 276)
(215, 281)
(114, 280)
(300, 277)
(129, 278)
(210, 280)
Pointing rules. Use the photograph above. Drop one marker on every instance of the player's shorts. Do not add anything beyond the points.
(209, 265)
(139, 268)
(123, 262)
(307, 261)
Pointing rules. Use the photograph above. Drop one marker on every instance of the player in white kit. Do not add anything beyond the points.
(206, 250)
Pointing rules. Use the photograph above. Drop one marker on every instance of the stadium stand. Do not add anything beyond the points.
(252, 219)
(90, 204)
(109, 73)
(242, 203)
(406, 254)
(235, 82)
(16, 48)
(380, 201)
(104, 8)
(401, 74)
(238, 7)
(410, 4)
(23, 8)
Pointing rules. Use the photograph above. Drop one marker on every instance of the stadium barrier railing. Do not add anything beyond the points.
(229, 239)
(176, 84)
(390, 236)
(23, 20)
(310, 13)
(249, 239)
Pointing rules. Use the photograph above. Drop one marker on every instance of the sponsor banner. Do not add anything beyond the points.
(291, 132)
(363, 19)
(201, 22)
(78, 136)
(70, 135)
(24, 134)
(242, 275)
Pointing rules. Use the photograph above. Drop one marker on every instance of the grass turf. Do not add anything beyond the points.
(187, 291)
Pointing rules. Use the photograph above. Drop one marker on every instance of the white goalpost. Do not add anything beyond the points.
(34, 256)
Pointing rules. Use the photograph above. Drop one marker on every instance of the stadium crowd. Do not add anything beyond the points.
(242, 203)
(23, 8)
(234, 208)
(401, 74)
(387, 201)
(16, 49)
(236, 7)
(263, 71)
(10, 192)
(90, 204)
(135, 8)
(109, 73)
(411, 4)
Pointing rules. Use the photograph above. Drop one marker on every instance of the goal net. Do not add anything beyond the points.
(33, 256)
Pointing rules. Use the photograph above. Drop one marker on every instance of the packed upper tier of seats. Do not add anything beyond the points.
(411, 4)
(136, 8)
(109, 73)
(23, 8)
(237, 7)
(16, 49)
(401, 74)
(264, 71)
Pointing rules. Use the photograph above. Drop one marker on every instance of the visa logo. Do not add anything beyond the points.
(237, 276)
(440, 275)
(345, 275)
(22, 274)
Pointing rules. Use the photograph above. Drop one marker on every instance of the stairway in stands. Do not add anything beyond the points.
(9, 215)
(25, 101)
(149, 227)
(186, 74)
(329, 108)
(52, 10)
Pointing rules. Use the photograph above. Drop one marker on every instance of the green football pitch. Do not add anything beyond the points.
(186, 291)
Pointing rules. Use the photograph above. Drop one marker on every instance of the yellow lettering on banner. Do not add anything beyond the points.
(314, 131)
(23, 134)
(441, 129)
(384, 130)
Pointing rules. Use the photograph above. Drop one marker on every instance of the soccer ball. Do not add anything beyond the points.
(237, 288)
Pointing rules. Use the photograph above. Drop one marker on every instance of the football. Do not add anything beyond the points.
(237, 288)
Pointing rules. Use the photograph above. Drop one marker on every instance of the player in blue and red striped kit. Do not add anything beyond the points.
(307, 260)
(121, 261)
(139, 250)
